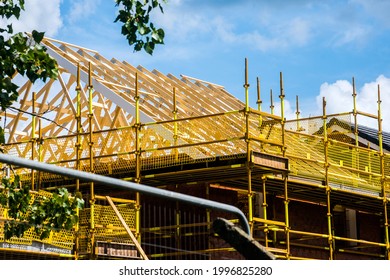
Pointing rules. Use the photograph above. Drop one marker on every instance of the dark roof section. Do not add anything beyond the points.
(365, 132)
(371, 134)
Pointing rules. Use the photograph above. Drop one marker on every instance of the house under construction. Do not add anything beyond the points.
(311, 188)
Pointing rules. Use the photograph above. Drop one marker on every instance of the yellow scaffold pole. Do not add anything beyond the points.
(259, 102)
(246, 86)
(285, 178)
(383, 175)
(78, 152)
(248, 148)
(33, 140)
(298, 113)
(40, 154)
(328, 189)
(264, 206)
(355, 112)
(175, 136)
(91, 165)
(137, 127)
(272, 103)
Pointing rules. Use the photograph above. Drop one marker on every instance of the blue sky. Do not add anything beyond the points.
(318, 45)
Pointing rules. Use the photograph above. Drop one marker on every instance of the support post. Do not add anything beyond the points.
(78, 152)
(248, 149)
(137, 127)
(176, 152)
(178, 223)
(383, 176)
(259, 101)
(40, 144)
(246, 86)
(298, 113)
(264, 206)
(33, 140)
(285, 178)
(175, 135)
(272, 103)
(326, 182)
(208, 215)
(356, 156)
(354, 112)
(91, 163)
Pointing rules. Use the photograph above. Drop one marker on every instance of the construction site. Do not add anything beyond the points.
(310, 188)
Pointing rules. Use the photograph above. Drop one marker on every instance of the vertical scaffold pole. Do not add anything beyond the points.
(137, 127)
(383, 177)
(208, 212)
(355, 161)
(355, 112)
(246, 86)
(78, 152)
(285, 178)
(178, 224)
(248, 148)
(328, 189)
(33, 140)
(175, 137)
(91, 164)
(40, 144)
(259, 102)
(298, 113)
(271, 102)
(264, 206)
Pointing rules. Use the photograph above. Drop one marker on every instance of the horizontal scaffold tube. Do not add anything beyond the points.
(113, 182)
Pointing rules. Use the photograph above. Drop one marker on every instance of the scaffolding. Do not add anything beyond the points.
(193, 137)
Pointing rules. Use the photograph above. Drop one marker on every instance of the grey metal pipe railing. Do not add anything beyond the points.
(108, 181)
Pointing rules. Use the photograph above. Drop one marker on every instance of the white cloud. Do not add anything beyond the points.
(350, 34)
(299, 30)
(41, 15)
(181, 24)
(339, 99)
(80, 9)
(266, 26)
(295, 32)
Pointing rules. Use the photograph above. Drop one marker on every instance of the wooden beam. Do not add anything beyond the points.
(128, 230)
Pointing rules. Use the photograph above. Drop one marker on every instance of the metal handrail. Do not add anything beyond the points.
(200, 202)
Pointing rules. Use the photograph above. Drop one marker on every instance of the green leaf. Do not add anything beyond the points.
(38, 36)
(138, 46)
(161, 8)
(143, 29)
(149, 47)
(137, 28)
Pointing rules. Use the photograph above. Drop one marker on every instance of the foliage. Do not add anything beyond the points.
(43, 213)
(57, 212)
(17, 201)
(21, 53)
(137, 28)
